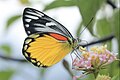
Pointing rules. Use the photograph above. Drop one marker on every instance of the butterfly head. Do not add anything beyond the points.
(75, 43)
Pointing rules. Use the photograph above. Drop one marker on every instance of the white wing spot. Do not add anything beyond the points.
(28, 41)
(50, 24)
(32, 17)
(26, 25)
(28, 32)
(25, 47)
(37, 13)
(27, 20)
(37, 24)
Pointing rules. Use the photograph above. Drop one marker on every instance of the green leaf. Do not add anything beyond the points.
(59, 3)
(88, 10)
(111, 70)
(114, 68)
(24, 2)
(103, 28)
(89, 77)
(11, 20)
(6, 48)
(116, 77)
(6, 75)
(116, 23)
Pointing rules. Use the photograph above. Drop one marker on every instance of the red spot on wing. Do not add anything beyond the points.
(58, 36)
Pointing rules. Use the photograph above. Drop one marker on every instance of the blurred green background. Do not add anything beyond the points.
(74, 15)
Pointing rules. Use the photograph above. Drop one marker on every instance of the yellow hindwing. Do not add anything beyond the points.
(44, 50)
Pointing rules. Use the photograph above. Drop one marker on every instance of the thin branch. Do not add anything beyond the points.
(111, 3)
(108, 38)
(12, 59)
(94, 42)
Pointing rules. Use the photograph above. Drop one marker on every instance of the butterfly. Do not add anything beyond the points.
(48, 41)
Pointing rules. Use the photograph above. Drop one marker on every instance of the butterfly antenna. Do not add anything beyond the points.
(87, 25)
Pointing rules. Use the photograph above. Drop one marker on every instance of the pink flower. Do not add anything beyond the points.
(92, 61)
(75, 77)
(95, 58)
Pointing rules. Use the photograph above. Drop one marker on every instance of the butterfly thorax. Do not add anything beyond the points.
(75, 43)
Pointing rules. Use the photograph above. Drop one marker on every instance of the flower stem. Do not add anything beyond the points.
(95, 74)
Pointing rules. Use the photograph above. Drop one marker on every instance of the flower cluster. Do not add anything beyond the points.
(97, 57)
(92, 61)
(103, 77)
